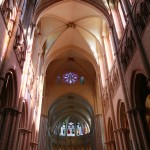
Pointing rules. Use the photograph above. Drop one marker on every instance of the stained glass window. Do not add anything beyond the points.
(70, 78)
(81, 80)
(58, 79)
(72, 129)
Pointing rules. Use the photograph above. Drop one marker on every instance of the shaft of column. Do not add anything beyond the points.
(98, 134)
(5, 132)
(146, 145)
(124, 133)
(12, 133)
(110, 99)
(138, 141)
(120, 140)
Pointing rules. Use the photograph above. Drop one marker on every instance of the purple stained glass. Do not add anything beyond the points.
(70, 78)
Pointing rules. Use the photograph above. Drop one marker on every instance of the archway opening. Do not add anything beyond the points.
(142, 102)
(70, 123)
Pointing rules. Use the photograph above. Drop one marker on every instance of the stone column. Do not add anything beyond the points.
(100, 99)
(6, 129)
(27, 147)
(110, 99)
(107, 145)
(146, 143)
(120, 139)
(111, 145)
(125, 137)
(13, 127)
(117, 22)
(108, 50)
(2, 81)
(20, 140)
(98, 132)
(1, 120)
(109, 93)
(33, 145)
(26, 136)
(51, 144)
(23, 138)
(16, 131)
(135, 138)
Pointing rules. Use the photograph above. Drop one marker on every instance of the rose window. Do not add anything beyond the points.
(70, 78)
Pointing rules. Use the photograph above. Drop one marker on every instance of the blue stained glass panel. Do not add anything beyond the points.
(70, 78)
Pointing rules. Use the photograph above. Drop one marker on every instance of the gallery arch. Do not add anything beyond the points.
(111, 143)
(141, 99)
(8, 106)
(124, 128)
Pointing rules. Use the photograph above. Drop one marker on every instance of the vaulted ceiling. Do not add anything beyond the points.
(72, 24)
(73, 106)
(71, 30)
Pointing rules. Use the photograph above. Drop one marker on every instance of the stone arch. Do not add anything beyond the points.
(24, 116)
(124, 127)
(142, 13)
(9, 90)
(23, 127)
(68, 102)
(123, 118)
(140, 95)
(8, 107)
(121, 115)
(33, 132)
(33, 143)
(74, 109)
(132, 85)
(118, 112)
(139, 89)
(49, 4)
(111, 140)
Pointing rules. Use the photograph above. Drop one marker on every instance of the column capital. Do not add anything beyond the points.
(124, 130)
(115, 131)
(130, 110)
(138, 109)
(33, 24)
(23, 130)
(134, 110)
(109, 142)
(33, 144)
(97, 115)
(2, 79)
(11, 110)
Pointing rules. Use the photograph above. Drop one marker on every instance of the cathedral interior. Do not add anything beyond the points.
(74, 75)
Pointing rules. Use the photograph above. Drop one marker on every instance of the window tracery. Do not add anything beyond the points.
(72, 129)
(70, 78)
(9, 11)
(142, 14)
(20, 45)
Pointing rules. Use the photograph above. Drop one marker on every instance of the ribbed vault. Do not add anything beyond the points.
(72, 23)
